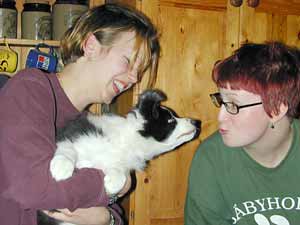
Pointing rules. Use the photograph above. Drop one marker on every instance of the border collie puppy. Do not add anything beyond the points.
(117, 145)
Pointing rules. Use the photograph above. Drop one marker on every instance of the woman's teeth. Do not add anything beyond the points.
(119, 86)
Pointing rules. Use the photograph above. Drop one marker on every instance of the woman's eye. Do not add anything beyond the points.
(231, 105)
(127, 60)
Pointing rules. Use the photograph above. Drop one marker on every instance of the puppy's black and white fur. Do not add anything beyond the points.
(116, 145)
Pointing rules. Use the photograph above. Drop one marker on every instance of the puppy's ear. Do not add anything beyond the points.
(149, 103)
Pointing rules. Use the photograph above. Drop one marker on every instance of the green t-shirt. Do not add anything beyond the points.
(226, 187)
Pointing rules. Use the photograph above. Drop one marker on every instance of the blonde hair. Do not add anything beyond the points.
(107, 22)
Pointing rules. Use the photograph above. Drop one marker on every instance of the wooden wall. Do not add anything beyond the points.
(194, 34)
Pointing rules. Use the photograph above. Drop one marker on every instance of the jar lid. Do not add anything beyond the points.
(10, 4)
(37, 1)
(7, 1)
(37, 5)
(79, 2)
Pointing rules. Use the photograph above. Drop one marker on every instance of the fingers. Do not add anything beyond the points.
(126, 187)
(93, 215)
(67, 212)
(62, 214)
(55, 215)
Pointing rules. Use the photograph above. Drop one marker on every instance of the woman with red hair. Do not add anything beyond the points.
(247, 172)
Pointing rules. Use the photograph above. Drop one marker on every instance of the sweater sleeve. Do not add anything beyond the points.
(27, 143)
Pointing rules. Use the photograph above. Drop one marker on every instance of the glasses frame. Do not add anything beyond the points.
(218, 102)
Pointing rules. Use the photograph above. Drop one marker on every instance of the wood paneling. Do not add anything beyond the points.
(215, 5)
(293, 30)
(194, 34)
(96, 2)
(287, 7)
(260, 25)
(192, 39)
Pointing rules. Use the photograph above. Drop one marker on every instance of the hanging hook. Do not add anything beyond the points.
(253, 3)
(236, 3)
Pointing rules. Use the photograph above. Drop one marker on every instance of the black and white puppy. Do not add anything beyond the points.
(117, 145)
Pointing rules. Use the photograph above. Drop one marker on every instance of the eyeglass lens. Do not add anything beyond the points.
(230, 107)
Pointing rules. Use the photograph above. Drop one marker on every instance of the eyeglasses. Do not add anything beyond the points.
(230, 107)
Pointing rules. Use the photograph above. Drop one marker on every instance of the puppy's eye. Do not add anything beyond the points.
(172, 120)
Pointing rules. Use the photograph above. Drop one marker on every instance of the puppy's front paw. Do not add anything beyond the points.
(114, 182)
(61, 167)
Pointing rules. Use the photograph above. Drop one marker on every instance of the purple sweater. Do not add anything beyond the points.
(27, 144)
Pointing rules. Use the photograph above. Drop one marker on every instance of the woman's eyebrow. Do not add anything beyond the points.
(228, 95)
(233, 97)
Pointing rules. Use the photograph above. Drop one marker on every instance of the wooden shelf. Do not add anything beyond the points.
(27, 42)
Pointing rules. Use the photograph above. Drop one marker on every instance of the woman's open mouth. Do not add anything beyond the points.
(119, 86)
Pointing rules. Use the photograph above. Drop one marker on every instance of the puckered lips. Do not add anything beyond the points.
(120, 86)
(222, 131)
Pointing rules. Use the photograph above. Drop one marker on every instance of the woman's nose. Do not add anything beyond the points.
(223, 114)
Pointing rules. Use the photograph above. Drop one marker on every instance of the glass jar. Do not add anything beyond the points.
(8, 19)
(65, 13)
(36, 20)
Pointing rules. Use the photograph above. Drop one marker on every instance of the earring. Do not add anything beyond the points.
(272, 126)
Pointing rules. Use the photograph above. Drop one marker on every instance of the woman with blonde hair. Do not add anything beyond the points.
(106, 52)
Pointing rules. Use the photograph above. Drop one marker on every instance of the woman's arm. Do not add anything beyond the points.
(94, 215)
(27, 144)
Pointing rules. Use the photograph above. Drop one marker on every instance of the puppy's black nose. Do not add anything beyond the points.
(196, 123)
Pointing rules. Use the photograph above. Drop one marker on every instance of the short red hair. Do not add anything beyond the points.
(271, 70)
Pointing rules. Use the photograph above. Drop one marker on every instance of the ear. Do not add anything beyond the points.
(149, 103)
(282, 112)
(91, 46)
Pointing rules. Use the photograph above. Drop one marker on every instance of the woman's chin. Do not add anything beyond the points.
(230, 143)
